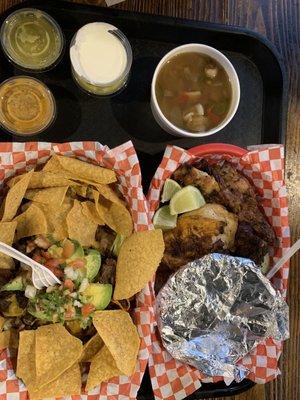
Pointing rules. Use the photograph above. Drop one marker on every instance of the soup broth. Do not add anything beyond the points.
(193, 92)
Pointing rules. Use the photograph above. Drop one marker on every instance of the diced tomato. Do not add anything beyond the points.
(78, 263)
(46, 255)
(38, 258)
(70, 312)
(213, 117)
(57, 272)
(69, 284)
(52, 262)
(53, 265)
(193, 97)
(68, 249)
(87, 309)
(183, 98)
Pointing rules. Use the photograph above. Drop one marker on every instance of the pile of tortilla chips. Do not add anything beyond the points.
(67, 198)
(49, 358)
(71, 198)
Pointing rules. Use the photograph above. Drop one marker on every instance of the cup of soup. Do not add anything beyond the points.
(195, 91)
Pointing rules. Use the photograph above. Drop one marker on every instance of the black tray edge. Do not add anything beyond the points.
(178, 22)
(173, 21)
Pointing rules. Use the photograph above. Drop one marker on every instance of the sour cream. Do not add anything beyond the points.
(100, 57)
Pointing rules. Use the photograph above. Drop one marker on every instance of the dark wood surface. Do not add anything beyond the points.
(279, 21)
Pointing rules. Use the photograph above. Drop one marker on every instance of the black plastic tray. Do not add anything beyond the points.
(261, 116)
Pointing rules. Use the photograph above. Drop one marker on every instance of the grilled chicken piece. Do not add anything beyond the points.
(238, 196)
(105, 238)
(209, 229)
(107, 273)
(187, 175)
(249, 245)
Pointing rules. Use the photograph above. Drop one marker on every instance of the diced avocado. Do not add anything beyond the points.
(13, 310)
(15, 284)
(55, 251)
(78, 253)
(81, 275)
(98, 294)
(93, 263)
(41, 315)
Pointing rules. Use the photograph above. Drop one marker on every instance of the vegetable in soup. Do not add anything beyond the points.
(193, 92)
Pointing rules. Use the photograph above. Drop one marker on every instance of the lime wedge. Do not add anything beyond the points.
(163, 219)
(187, 199)
(170, 188)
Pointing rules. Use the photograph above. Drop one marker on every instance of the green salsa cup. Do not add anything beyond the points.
(32, 40)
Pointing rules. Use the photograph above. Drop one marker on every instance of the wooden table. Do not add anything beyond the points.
(279, 21)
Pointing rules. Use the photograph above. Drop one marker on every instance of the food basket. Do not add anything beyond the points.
(17, 158)
(264, 167)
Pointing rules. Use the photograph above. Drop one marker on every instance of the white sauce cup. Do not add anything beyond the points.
(233, 78)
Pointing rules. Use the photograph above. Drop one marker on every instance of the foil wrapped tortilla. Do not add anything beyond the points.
(215, 310)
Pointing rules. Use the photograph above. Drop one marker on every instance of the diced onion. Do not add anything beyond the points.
(77, 303)
(199, 108)
(71, 273)
(30, 292)
(50, 289)
(84, 285)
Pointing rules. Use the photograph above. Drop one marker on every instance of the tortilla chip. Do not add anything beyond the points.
(26, 357)
(91, 348)
(4, 339)
(87, 171)
(9, 338)
(42, 179)
(31, 222)
(139, 258)
(80, 227)
(56, 350)
(81, 190)
(122, 219)
(103, 210)
(53, 196)
(2, 322)
(115, 215)
(30, 193)
(68, 383)
(89, 210)
(7, 234)
(103, 367)
(15, 196)
(109, 194)
(56, 218)
(52, 165)
(120, 335)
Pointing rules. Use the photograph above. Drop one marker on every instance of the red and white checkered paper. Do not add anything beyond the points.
(16, 158)
(264, 166)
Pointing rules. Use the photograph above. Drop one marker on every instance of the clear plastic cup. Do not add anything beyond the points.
(103, 88)
(32, 40)
(27, 106)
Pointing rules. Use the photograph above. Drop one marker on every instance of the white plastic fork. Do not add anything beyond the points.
(41, 276)
(284, 259)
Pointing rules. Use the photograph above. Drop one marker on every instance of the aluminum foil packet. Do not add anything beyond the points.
(214, 310)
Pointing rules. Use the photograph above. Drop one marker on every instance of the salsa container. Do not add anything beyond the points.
(260, 118)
